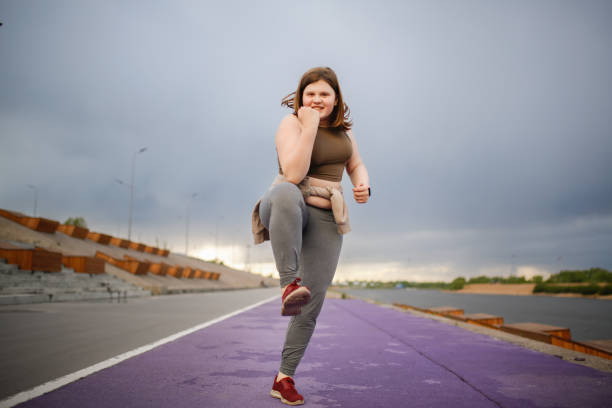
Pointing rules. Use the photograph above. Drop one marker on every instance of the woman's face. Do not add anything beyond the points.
(321, 97)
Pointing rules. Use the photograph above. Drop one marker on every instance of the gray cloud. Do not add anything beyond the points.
(485, 126)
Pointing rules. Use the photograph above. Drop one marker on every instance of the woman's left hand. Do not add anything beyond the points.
(361, 193)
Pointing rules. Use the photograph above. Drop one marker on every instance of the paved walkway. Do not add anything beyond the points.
(362, 355)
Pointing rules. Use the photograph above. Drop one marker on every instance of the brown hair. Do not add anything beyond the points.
(339, 118)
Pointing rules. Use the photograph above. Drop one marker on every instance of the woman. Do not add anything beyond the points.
(304, 214)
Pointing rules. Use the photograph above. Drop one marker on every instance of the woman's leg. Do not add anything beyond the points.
(283, 212)
(320, 252)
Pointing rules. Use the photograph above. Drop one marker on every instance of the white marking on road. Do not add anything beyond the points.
(67, 379)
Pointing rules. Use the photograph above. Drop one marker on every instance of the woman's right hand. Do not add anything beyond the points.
(308, 117)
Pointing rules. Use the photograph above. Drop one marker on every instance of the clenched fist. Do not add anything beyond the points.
(308, 117)
(361, 193)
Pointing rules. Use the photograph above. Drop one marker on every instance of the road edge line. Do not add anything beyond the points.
(52, 385)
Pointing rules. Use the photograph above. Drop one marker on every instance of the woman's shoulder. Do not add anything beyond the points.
(290, 119)
(289, 127)
(289, 122)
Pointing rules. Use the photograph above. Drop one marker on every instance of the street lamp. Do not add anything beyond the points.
(124, 184)
(35, 197)
(193, 196)
(132, 191)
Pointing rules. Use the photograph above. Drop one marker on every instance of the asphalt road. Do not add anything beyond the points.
(361, 355)
(42, 342)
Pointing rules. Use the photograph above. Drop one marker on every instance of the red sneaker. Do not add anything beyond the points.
(294, 297)
(285, 390)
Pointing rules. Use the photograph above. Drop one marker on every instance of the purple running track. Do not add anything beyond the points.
(361, 356)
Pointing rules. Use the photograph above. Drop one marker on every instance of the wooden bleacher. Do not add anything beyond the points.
(160, 268)
(137, 246)
(133, 266)
(43, 260)
(121, 243)
(73, 231)
(447, 310)
(31, 259)
(188, 272)
(99, 238)
(37, 224)
(176, 271)
(557, 336)
(84, 264)
(533, 330)
(157, 268)
(482, 318)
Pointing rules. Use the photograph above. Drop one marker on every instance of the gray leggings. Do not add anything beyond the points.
(305, 243)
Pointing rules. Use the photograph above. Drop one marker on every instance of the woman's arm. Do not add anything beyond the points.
(358, 173)
(294, 140)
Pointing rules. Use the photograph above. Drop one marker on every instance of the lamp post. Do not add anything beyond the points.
(193, 196)
(124, 184)
(35, 196)
(132, 191)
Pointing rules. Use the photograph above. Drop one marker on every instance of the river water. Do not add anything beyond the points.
(588, 319)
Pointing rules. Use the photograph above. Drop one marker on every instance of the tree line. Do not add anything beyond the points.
(588, 282)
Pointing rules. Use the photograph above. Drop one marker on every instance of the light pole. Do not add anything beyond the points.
(35, 197)
(124, 184)
(132, 191)
(193, 196)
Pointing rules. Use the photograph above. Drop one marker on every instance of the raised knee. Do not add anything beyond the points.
(286, 195)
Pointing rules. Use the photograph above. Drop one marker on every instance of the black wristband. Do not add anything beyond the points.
(369, 192)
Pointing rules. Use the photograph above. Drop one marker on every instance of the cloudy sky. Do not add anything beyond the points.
(485, 125)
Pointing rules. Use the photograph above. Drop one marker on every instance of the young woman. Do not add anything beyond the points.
(304, 213)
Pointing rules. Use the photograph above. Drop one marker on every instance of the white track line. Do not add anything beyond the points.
(67, 379)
